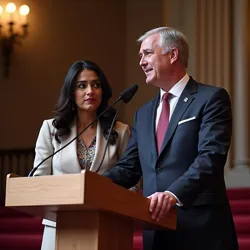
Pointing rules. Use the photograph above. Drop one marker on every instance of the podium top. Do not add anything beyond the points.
(44, 196)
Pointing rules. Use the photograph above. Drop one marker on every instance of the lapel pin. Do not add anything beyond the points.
(185, 99)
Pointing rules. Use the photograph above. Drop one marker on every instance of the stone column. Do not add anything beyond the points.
(240, 174)
(241, 84)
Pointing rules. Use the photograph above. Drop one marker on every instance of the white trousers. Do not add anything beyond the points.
(49, 238)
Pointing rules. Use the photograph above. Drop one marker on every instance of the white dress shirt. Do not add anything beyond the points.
(176, 92)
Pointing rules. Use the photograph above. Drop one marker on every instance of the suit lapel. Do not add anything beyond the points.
(100, 146)
(184, 101)
(151, 131)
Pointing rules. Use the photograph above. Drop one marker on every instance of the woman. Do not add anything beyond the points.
(83, 97)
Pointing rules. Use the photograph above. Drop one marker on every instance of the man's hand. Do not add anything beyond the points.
(160, 204)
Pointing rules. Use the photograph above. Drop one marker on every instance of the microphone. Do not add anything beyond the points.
(125, 96)
(128, 93)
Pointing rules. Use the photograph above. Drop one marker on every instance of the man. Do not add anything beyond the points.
(179, 144)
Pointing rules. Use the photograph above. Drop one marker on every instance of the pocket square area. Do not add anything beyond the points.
(186, 120)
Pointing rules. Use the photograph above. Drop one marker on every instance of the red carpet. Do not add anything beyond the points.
(240, 204)
(19, 231)
(22, 232)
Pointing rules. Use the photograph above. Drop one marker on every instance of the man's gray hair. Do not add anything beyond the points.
(170, 38)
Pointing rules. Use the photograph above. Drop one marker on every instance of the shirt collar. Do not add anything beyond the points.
(177, 89)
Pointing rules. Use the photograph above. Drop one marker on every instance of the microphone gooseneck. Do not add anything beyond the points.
(125, 97)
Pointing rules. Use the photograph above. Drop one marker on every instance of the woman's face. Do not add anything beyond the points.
(88, 91)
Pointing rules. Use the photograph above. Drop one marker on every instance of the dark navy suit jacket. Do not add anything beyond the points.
(190, 165)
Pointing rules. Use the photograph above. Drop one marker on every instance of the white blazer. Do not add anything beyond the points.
(66, 161)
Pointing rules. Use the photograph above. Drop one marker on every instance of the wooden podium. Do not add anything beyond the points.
(91, 212)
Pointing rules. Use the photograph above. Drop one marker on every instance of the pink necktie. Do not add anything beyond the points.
(163, 121)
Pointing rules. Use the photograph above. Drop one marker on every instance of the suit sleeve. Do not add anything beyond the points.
(43, 149)
(213, 145)
(127, 171)
(125, 135)
(122, 147)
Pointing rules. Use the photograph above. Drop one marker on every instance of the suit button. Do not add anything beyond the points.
(158, 170)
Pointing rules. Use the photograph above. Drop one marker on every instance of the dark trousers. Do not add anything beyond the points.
(207, 227)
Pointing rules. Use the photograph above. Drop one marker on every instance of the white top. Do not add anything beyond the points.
(176, 92)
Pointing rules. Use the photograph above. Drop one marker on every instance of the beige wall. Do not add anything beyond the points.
(61, 32)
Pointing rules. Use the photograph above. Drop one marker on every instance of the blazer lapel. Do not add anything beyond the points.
(184, 101)
(100, 146)
(68, 157)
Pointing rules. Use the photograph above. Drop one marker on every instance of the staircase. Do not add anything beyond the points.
(19, 231)
(22, 232)
(240, 204)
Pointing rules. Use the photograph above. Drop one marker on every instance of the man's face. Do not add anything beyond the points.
(155, 65)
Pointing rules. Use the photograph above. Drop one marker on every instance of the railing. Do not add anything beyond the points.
(17, 161)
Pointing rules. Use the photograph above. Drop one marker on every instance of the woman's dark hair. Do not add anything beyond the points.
(66, 108)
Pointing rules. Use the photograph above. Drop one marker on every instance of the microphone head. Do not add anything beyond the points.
(128, 93)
